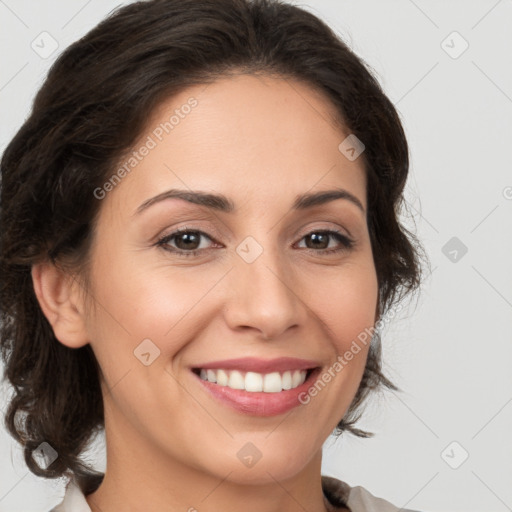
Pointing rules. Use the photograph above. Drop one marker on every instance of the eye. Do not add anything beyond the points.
(320, 241)
(187, 241)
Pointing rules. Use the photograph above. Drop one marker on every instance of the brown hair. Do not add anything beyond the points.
(95, 101)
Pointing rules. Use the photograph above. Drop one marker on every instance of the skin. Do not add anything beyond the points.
(260, 141)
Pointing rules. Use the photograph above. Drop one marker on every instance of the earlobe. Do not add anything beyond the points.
(57, 295)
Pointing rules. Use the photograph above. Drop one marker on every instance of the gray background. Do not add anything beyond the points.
(450, 352)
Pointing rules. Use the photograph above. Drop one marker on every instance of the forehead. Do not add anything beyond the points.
(261, 138)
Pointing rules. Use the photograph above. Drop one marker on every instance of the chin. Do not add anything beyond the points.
(265, 465)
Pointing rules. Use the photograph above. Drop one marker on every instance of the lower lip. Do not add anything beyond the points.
(259, 403)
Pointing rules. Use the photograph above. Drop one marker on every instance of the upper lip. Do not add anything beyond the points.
(253, 364)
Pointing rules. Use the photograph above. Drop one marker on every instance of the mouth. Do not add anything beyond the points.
(257, 386)
(257, 394)
(255, 382)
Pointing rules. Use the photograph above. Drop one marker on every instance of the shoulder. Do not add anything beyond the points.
(339, 495)
(73, 500)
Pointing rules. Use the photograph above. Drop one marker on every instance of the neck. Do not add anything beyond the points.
(140, 476)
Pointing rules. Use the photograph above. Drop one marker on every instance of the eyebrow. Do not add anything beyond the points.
(221, 203)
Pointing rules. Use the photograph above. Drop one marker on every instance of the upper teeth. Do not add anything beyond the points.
(252, 381)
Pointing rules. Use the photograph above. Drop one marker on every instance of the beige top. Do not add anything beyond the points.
(337, 494)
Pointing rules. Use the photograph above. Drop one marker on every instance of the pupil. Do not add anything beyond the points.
(188, 238)
(318, 236)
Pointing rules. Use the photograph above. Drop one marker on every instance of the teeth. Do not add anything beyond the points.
(272, 383)
(253, 382)
(287, 380)
(222, 378)
(236, 380)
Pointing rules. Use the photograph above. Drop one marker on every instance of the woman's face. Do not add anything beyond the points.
(260, 283)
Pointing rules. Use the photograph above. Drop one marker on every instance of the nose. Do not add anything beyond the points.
(265, 295)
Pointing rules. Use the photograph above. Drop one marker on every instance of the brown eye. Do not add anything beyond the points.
(186, 242)
(318, 241)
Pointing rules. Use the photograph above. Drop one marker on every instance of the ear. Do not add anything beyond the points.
(58, 297)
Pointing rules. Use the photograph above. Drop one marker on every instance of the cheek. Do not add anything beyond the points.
(136, 302)
(347, 305)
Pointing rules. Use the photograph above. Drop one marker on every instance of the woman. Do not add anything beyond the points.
(249, 131)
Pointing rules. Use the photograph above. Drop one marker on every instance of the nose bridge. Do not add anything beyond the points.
(264, 295)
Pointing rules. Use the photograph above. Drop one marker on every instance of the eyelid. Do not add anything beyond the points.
(177, 231)
(331, 226)
(217, 234)
(212, 232)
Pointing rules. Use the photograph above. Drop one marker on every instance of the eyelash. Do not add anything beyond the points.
(346, 242)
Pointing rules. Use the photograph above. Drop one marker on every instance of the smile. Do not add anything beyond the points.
(253, 382)
(257, 394)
